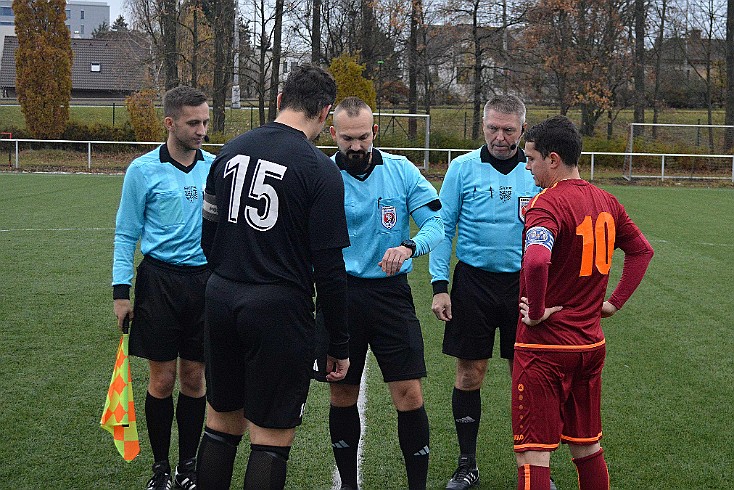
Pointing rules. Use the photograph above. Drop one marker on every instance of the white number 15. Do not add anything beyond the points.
(237, 168)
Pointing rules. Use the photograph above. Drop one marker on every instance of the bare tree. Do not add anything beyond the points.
(704, 26)
(169, 41)
(729, 113)
(316, 32)
(223, 24)
(662, 11)
(640, 99)
(416, 17)
(276, 53)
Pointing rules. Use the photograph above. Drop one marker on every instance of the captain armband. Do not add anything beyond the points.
(209, 210)
(539, 235)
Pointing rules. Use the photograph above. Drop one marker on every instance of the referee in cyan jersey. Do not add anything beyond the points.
(382, 191)
(483, 195)
(162, 195)
(273, 223)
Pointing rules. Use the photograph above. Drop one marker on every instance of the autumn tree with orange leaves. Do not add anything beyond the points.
(584, 46)
(43, 65)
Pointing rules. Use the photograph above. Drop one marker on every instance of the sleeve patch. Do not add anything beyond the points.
(210, 211)
(539, 235)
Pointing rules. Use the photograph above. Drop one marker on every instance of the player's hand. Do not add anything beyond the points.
(441, 306)
(122, 308)
(393, 259)
(608, 309)
(336, 369)
(525, 310)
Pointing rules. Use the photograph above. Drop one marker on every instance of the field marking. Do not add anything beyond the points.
(706, 244)
(362, 407)
(10, 230)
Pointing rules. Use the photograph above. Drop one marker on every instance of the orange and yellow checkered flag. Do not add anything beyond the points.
(118, 416)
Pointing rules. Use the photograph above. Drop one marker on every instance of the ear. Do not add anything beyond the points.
(524, 127)
(324, 113)
(555, 159)
(374, 130)
(168, 123)
(277, 100)
(332, 131)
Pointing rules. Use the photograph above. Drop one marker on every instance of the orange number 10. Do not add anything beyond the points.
(598, 244)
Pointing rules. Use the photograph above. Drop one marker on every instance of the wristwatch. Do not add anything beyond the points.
(408, 243)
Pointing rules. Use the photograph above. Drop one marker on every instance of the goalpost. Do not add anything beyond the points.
(390, 123)
(681, 151)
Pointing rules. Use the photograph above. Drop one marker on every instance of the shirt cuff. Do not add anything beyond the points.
(440, 287)
(121, 291)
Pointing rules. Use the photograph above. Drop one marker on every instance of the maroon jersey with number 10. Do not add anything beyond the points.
(586, 224)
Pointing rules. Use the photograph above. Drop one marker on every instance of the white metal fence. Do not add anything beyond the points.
(722, 171)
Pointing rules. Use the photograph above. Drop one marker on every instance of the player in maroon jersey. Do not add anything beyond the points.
(571, 231)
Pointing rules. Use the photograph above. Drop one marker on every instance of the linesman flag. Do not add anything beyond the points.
(118, 416)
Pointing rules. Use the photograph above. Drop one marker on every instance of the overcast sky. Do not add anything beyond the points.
(116, 9)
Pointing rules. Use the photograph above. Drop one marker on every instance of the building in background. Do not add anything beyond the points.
(82, 18)
(110, 67)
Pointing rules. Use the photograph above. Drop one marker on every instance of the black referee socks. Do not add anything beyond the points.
(413, 434)
(345, 428)
(467, 409)
(190, 419)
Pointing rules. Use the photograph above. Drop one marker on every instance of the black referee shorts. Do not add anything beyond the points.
(481, 303)
(168, 311)
(260, 350)
(381, 316)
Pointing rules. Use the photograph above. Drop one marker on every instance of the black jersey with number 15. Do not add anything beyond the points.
(274, 198)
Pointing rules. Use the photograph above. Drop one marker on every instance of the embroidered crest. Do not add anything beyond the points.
(505, 193)
(191, 193)
(522, 206)
(389, 216)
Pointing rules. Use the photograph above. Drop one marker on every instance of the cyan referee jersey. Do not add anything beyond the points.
(486, 207)
(378, 211)
(160, 206)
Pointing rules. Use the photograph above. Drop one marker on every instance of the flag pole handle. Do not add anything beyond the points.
(126, 325)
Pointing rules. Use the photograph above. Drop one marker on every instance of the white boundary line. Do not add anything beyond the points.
(9, 230)
(362, 407)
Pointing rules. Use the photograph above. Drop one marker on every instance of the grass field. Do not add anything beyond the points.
(668, 383)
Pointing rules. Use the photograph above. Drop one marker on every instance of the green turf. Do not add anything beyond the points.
(668, 383)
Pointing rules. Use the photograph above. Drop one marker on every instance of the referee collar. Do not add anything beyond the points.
(165, 157)
(376, 160)
(502, 166)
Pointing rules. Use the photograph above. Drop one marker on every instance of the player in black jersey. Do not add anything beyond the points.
(273, 223)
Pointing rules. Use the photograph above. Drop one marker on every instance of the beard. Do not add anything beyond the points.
(357, 161)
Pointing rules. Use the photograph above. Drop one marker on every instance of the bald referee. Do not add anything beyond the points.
(382, 192)
(273, 223)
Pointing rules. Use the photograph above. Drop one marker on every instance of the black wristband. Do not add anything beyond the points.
(121, 291)
(440, 287)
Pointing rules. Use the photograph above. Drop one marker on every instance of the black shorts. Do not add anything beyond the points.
(260, 350)
(381, 316)
(482, 302)
(168, 311)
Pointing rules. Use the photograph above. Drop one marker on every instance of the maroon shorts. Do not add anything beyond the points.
(556, 396)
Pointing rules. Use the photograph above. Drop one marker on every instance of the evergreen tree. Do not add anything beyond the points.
(43, 65)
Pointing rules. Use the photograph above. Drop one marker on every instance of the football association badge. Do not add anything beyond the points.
(389, 216)
(522, 207)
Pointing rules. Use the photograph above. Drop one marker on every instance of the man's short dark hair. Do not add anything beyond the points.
(308, 89)
(175, 99)
(353, 106)
(559, 135)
